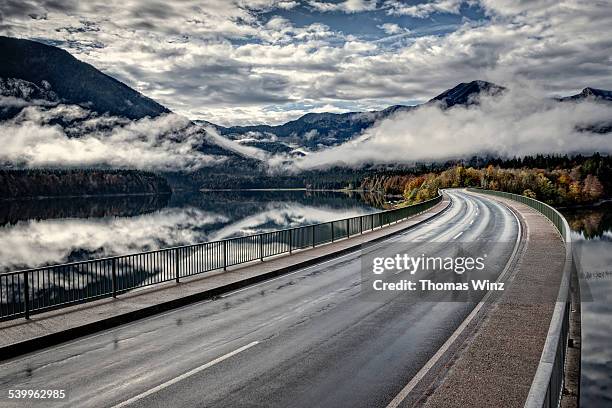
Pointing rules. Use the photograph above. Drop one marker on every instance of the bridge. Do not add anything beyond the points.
(281, 319)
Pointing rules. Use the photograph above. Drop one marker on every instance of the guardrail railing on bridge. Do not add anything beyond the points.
(36, 290)
(547, 385)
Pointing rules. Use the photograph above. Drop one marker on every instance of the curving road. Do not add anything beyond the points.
(307, 339)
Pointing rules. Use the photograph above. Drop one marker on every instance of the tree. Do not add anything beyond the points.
(529, 193)
(592, 189)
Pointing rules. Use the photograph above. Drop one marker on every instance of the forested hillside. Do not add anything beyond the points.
(78, 182)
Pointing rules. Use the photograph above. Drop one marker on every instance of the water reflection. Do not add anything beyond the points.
(590, 223)
(592, 234)
(44, 232)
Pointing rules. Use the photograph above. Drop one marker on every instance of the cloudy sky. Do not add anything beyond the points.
(268, 61)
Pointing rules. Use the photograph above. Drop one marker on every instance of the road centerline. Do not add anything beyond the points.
(185, 375)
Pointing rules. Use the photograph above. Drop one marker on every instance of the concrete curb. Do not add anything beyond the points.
(38, 343)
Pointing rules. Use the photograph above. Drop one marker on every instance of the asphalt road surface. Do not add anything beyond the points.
(307, 339)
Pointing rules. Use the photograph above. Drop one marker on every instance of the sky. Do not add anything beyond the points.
(270, 61)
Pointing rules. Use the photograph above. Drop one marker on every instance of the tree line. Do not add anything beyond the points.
(557, 180)
(27, 183)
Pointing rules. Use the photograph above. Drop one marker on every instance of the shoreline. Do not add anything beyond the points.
(35, 198)
(329, 190)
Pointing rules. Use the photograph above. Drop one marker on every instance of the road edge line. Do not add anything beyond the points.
(416, 379)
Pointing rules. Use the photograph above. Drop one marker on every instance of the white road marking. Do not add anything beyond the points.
(447, 344)
(186, 375)
(458, 235)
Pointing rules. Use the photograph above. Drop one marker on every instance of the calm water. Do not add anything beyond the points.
(592, 230)
(39, 232)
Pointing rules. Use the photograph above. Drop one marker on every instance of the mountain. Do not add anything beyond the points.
(54, 82)
(596, 95)
(30, 68)
(83, 101)
(467, 93)
(590, 93)
(312, 131)
(316, 131)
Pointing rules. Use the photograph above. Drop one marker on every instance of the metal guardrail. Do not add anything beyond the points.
(36, 290)
(547, 385)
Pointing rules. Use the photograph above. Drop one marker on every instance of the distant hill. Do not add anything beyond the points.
(466, 93)
(590, 93)
(315, 131)
(596, 95)
(312, 131)
(44, 68)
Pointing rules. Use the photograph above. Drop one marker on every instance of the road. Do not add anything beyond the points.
(307, 339)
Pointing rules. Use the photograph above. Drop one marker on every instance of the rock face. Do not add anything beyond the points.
(27, 91)
(32, 69)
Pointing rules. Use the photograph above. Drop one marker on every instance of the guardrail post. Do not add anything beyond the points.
(177, 270)
(261, 255)
(361, 224)
(332, 231)
(225, 255)
(348, 234)
(26, 298)
(313, 236)
(114, 277)
(290, 241)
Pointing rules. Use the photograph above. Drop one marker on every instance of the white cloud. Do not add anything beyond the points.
(517, 123)
(346, 6)
(390, 28)
(168, 142)
(247, 151)
(424, 9)
(511, 8)
(229, 64)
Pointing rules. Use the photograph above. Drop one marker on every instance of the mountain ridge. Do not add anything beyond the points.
(73, 81)
(306, 131)
(590, 93)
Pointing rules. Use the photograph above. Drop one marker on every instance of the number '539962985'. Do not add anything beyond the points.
(36, 394)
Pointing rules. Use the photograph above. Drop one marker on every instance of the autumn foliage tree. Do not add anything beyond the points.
(557, 186)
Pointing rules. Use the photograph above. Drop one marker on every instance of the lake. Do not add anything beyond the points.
(51, 231)
(592, 233)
